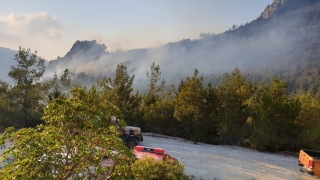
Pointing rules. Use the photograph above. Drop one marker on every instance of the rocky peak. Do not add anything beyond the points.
(89, 50)
(279, 7)
(87, 46)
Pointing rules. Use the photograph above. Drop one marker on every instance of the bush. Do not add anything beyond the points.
(149, 169)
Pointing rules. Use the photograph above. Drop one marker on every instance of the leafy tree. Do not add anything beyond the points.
(73, 143)
(130, 103)
(274, 116)
(309, 120)
(134, 116)
(154, 78)
(193, 107)
(152, 96)
(121, 87)
(66, 79)
(233, 93)
(7, 114)
(27, 92)
(153, 88)
(149, 169)
(56, 92)
(159, 118)
(122, 84)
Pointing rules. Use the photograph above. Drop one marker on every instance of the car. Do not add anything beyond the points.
(156, 153)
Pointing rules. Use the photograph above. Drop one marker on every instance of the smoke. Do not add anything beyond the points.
(258, 45)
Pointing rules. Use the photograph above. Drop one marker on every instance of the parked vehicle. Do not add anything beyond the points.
(309, 160)
(131, 135)
(157, 153)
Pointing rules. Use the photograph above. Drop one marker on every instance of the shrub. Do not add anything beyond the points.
(149, 169)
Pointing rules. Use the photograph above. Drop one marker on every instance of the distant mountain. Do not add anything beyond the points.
(6, 61)
(89, 50)
(283, 41)
(280, 7)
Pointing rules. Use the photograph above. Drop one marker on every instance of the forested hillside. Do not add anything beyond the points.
(285, 45)
(236, 111)
(256, 85)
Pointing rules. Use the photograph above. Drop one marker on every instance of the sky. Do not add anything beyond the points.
(52, 27)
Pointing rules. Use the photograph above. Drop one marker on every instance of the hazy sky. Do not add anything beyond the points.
(52, 27)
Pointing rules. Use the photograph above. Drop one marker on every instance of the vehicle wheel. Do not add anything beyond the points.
(131, 143)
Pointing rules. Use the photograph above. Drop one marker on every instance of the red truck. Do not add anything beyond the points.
(309, 160)
(156, 153)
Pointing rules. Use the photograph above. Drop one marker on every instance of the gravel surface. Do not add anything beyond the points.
(214, 162)
(227, 162)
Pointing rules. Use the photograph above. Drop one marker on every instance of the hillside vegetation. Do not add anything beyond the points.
(272, 104)
(236, 111)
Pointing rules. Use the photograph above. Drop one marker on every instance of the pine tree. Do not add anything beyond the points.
(27, 92)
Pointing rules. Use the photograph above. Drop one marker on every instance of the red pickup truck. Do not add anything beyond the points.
(157, 153)
(141, 151)
(309, 160)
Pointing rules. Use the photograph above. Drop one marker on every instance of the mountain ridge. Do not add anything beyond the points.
(275, 45)
(280, 7)
(285, 42)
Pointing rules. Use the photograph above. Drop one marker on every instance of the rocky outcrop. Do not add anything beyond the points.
(280, 7)
(87, 46)
(89, 50)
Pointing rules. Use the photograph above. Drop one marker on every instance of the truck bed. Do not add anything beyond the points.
(310, 161)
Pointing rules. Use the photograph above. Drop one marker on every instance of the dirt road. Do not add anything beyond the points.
(227, 162)
(210, 162)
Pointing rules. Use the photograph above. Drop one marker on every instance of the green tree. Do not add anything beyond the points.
(149, 169)
(309, 120)
(159, 118)
(131, 105)
(55, 92)
(27, 94)
(152, 97)
(154, 89)
(7, 113)
(233, 93)
(122, 84)
(66, 79)
(274, 118)
(193, 107)
(76, 138)
(154, 78)
(121, 87)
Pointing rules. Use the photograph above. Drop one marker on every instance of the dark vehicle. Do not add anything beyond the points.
(131, 135)
(309, 160)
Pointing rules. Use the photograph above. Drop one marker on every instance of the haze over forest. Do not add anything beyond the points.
(276, 43)
(260, 83)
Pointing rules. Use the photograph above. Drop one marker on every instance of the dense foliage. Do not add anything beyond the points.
(27, 94)
(149, 169)
(74, 141)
